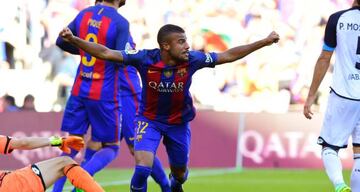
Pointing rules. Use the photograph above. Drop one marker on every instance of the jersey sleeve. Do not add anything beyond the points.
(131, 43)
(5, 147)
(123, 34)
(133, 57)
(65, 46)
(330, 33)
(200, 59)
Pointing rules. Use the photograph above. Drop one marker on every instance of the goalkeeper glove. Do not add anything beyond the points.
(65, 143)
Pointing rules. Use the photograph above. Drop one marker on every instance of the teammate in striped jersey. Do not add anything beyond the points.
(166, 106)
(342, 117)
(99, 89)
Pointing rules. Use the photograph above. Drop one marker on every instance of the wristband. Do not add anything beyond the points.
(55, 141)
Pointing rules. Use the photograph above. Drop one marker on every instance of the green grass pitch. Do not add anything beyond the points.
(230, 180)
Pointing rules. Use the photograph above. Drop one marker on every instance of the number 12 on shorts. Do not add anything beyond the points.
(142, 125)
(140, 130)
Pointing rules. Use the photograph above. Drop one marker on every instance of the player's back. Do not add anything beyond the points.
(98, 79)
(343, 33)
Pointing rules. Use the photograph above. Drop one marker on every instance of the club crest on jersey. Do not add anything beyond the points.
(131, 51)
(139, 138)
(181, 72)
(168, 73)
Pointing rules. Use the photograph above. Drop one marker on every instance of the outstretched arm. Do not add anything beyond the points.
(27, 143)
(96, 50)
(321, 67)
(239, 52)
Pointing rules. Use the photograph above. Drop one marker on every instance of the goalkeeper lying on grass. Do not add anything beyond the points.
(39, 176)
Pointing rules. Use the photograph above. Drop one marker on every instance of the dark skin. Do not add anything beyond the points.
(174, 51)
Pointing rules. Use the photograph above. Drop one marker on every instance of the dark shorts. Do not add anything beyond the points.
(130, 105)
(176, 139)
(103, 116)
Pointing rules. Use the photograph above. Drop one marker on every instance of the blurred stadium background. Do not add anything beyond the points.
(249, 133)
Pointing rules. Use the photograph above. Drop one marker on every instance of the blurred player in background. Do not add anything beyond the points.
(342, 117)
(103, 19)
(39, 176)
(166, 106)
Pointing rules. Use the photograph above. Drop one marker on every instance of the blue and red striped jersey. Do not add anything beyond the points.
(165, 93)
(129, 78)
(98, 79)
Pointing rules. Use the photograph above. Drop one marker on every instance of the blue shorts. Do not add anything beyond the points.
(103, 116)
(177, 139)
(130, 105)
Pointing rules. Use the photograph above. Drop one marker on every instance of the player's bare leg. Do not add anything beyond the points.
(98, 155)
(58, 186)
(52, 169)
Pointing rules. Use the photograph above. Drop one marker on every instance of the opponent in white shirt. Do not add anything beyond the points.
(342, 117)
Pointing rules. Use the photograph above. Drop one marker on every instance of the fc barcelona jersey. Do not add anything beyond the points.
(98, 79)
(165, 89)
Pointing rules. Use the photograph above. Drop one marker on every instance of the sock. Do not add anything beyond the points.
(355, 174)
(159, 175)
(88, 155)
(333, 166)
(176, 183)
(81, 179)
(139, 179)
(101, 158)
(59, 184)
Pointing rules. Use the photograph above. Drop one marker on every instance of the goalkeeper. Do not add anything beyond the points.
(39, 176)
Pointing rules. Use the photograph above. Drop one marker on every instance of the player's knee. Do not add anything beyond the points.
(144, 158)
(94, 145)
(179, 179)
(180, 175)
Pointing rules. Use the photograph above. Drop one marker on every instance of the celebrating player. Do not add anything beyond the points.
(39, 176)
(124, 79)
(342, 117)
(166, 105)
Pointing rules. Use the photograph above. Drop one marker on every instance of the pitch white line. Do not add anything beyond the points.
(191, 174)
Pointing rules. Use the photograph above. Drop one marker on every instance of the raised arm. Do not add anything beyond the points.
(96, 50)
(239, 52)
